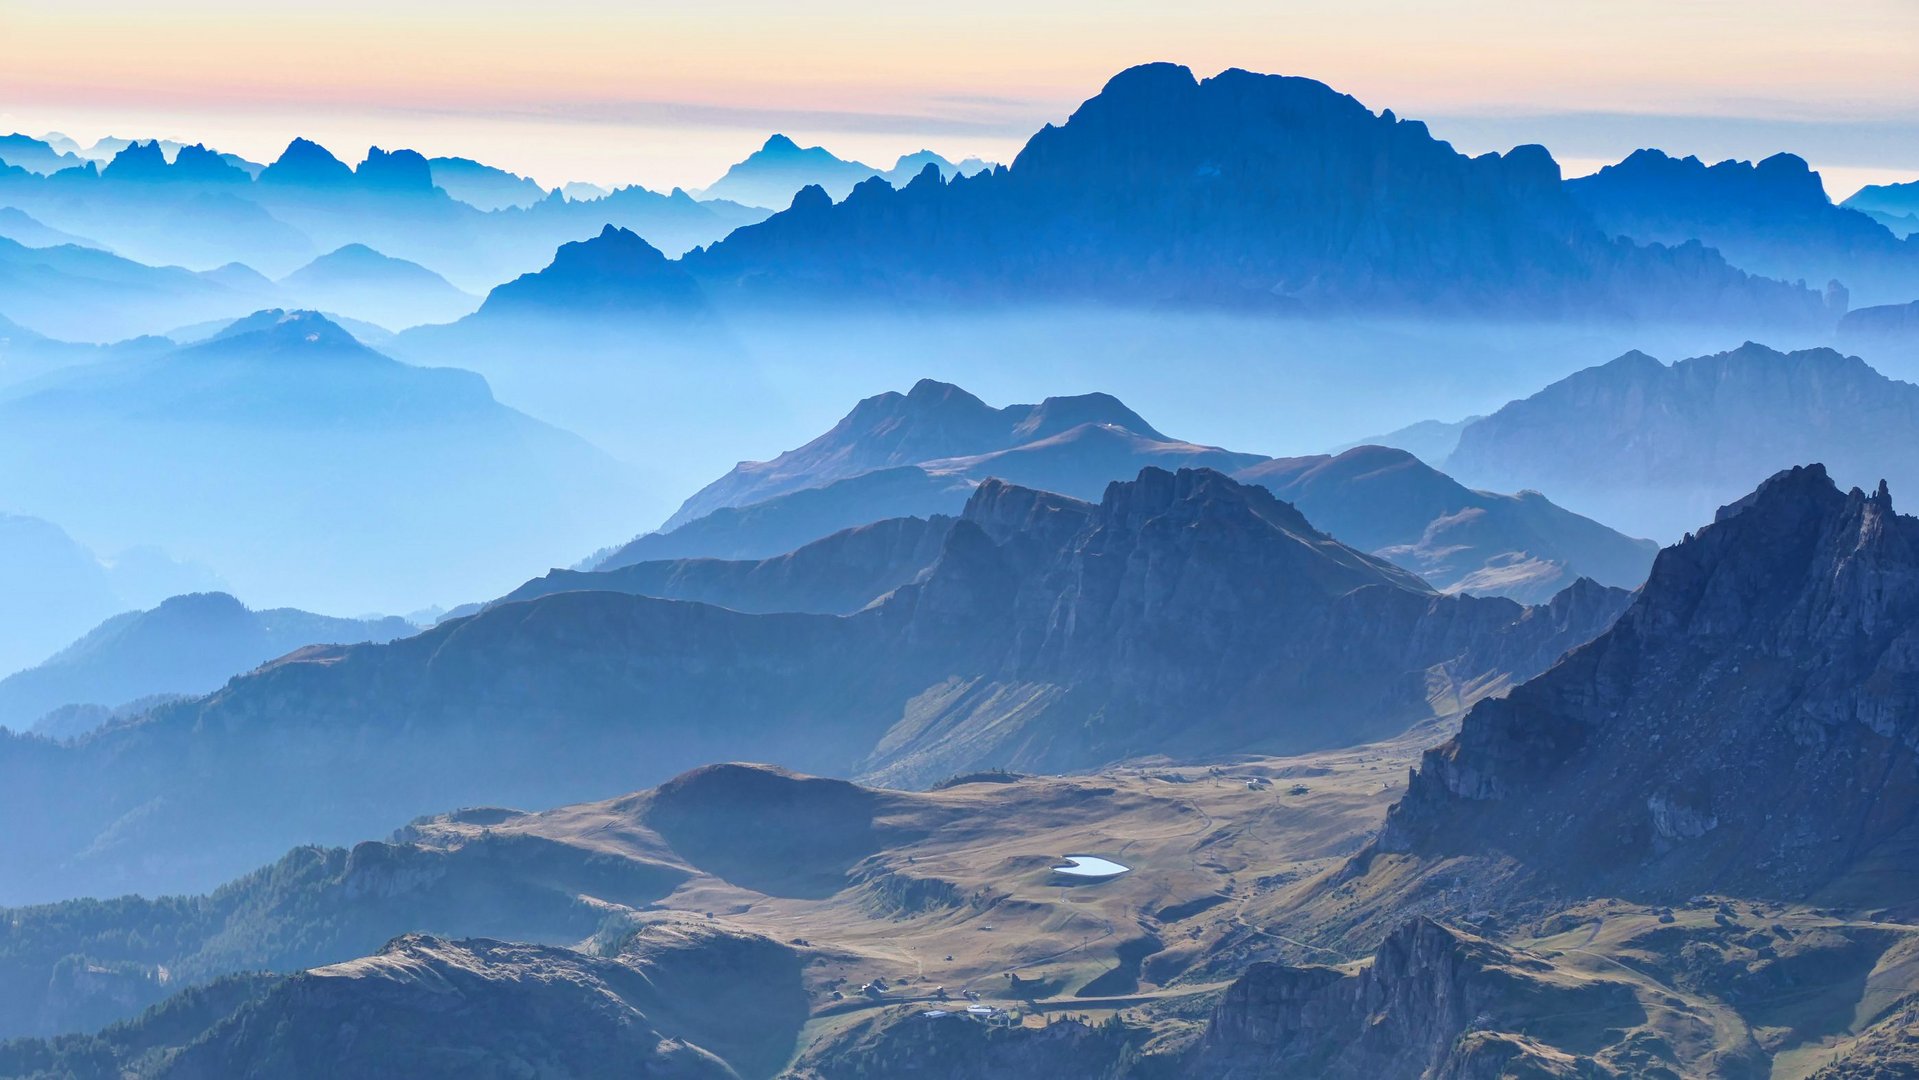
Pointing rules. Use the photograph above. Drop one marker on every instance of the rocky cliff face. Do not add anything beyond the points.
(1184, 595)
(1776, 651)
(1434, 1003)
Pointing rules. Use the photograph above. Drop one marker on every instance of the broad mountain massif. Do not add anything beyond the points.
(1772, 218)
(1184, 175)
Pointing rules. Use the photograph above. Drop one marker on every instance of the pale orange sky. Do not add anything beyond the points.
(670, 93)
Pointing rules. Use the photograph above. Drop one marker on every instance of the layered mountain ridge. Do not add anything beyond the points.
(189, 644)
(1178, 597)
(1653, 448)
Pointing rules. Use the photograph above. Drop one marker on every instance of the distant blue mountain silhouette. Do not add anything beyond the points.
(615, 271)
(1244, 191)
(483, 186)
(1771, 218)
(771, 175)
(203, 209)
(1896, 206)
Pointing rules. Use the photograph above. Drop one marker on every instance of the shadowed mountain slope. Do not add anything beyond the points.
(427, 1007)
(188, 645)
(1772, 652)
(836, 575)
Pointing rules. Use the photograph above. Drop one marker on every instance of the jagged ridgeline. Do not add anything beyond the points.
(1772, 652)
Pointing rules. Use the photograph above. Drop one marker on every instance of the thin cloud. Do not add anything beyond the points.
(994, 117)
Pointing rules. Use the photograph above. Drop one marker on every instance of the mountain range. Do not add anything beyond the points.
(1182, 610)
(1652, 447)
(189, 644)
(411, 481)
(778, 170)
(53, 588)
(200, 210)
(1162, 189)
(921, 453)
(36, 155)
(960, 740)
(21, 227)
(85, 294)
(1556, 894)
(1772, 218)
(483, 187)
(1896, 206)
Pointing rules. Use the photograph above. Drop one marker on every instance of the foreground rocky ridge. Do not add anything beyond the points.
(1433, 1002)
(1779, 647)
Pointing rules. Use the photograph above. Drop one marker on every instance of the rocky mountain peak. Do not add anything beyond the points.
(616, 271)
(138, 161)
(1194, 494)
(306, 163)
(1775, 650)
(1055, 415)
(1003, 510)
(810, 199)
(401, 171)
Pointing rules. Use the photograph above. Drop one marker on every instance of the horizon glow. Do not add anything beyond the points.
(669, 94)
